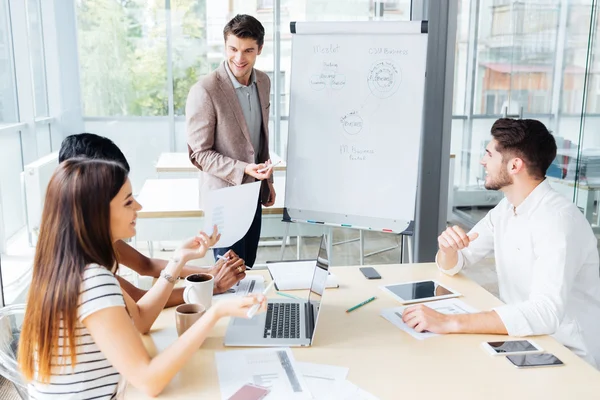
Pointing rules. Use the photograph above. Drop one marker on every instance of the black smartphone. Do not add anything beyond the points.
(370, 273)
(534, 360)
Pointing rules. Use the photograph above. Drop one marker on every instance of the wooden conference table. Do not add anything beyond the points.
(386, 361)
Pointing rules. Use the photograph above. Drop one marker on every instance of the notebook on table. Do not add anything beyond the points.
(296, 274)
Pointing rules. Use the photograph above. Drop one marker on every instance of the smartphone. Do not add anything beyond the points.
(535, 360)
(370, 273)
(250, 392)
(510, 347)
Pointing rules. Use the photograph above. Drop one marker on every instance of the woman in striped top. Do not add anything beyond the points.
(80, 332)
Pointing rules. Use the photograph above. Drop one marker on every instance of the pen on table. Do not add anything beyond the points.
(269, 166)
(255, 307)
(289, 295)
(361, 304)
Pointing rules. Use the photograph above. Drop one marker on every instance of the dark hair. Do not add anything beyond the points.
(527, 139)
(245, 26)
(89, 145)
(74, 232)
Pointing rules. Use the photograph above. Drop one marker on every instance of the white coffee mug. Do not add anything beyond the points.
(199, 289)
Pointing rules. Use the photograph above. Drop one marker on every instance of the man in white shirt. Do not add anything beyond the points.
(545, 251)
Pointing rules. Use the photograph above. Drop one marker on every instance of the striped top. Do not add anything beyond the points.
(93, 377)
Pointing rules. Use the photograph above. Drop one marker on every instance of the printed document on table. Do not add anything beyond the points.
(446, 306)
(346, 390)
(249, 285)
(232, 209)
(322, 379)
(274, 368)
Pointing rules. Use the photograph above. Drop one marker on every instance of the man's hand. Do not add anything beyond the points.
(228, 272)
(272, 195)
(455, 239)
(259, 171)
(422, 318)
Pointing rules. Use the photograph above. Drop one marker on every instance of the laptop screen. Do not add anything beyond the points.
(319, 281)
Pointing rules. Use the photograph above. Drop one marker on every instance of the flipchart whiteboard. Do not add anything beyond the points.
(356, 111)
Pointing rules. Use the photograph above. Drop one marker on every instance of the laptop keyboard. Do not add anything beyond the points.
(282, 321)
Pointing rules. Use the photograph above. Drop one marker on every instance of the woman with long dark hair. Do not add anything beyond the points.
(80, 332)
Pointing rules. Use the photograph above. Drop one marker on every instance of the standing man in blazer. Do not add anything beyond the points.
(227, 116)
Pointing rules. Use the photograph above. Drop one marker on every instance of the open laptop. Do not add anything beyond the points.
(287, 322)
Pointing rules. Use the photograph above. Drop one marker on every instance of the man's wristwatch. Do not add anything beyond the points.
(170, 278)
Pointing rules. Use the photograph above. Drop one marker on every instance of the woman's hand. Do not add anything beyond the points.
(197, 246)
(239, 306)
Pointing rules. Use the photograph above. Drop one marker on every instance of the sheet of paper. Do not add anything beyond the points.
(346, 390)
(232, 209)
(248, 285)
(446, 306)
(274, 368)
(296, 275)
(322, 379)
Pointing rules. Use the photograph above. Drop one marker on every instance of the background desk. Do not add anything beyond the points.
(388, 362)
(180, 163)
(171, 211)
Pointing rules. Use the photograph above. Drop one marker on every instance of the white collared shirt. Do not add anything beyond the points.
(548, 269)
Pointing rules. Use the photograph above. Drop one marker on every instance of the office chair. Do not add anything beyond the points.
(11, 319)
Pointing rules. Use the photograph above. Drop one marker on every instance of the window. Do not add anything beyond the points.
(8, 93)
(38, 63)
(495, 102)
(539, 102)
(490, 104)
(516, 54)
(265, 4)
(390, 5)
(123, 57)
(189, 48)
(284, 100)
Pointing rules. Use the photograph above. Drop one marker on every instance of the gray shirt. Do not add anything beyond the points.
(248, 99)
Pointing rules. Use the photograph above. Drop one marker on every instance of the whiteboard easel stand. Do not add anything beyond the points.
(406, 238)
(329, 233)
(401, 41)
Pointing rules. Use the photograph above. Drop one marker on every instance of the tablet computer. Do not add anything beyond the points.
(512, 347)
(419, 291)
(534, 360)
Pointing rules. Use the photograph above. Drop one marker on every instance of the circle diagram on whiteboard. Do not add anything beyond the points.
(352, 123)
(384, 79)
(317, 82)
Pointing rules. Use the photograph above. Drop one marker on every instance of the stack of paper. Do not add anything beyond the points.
(248, 285)
(296, 275)
(272, 368)
(276, 369)
(328, 382)
(446, 306)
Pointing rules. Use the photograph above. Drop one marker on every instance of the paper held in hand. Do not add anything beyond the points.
(232, 209)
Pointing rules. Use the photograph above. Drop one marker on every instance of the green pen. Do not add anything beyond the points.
(361, 304)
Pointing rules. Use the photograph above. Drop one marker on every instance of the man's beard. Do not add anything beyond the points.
(503, 180)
